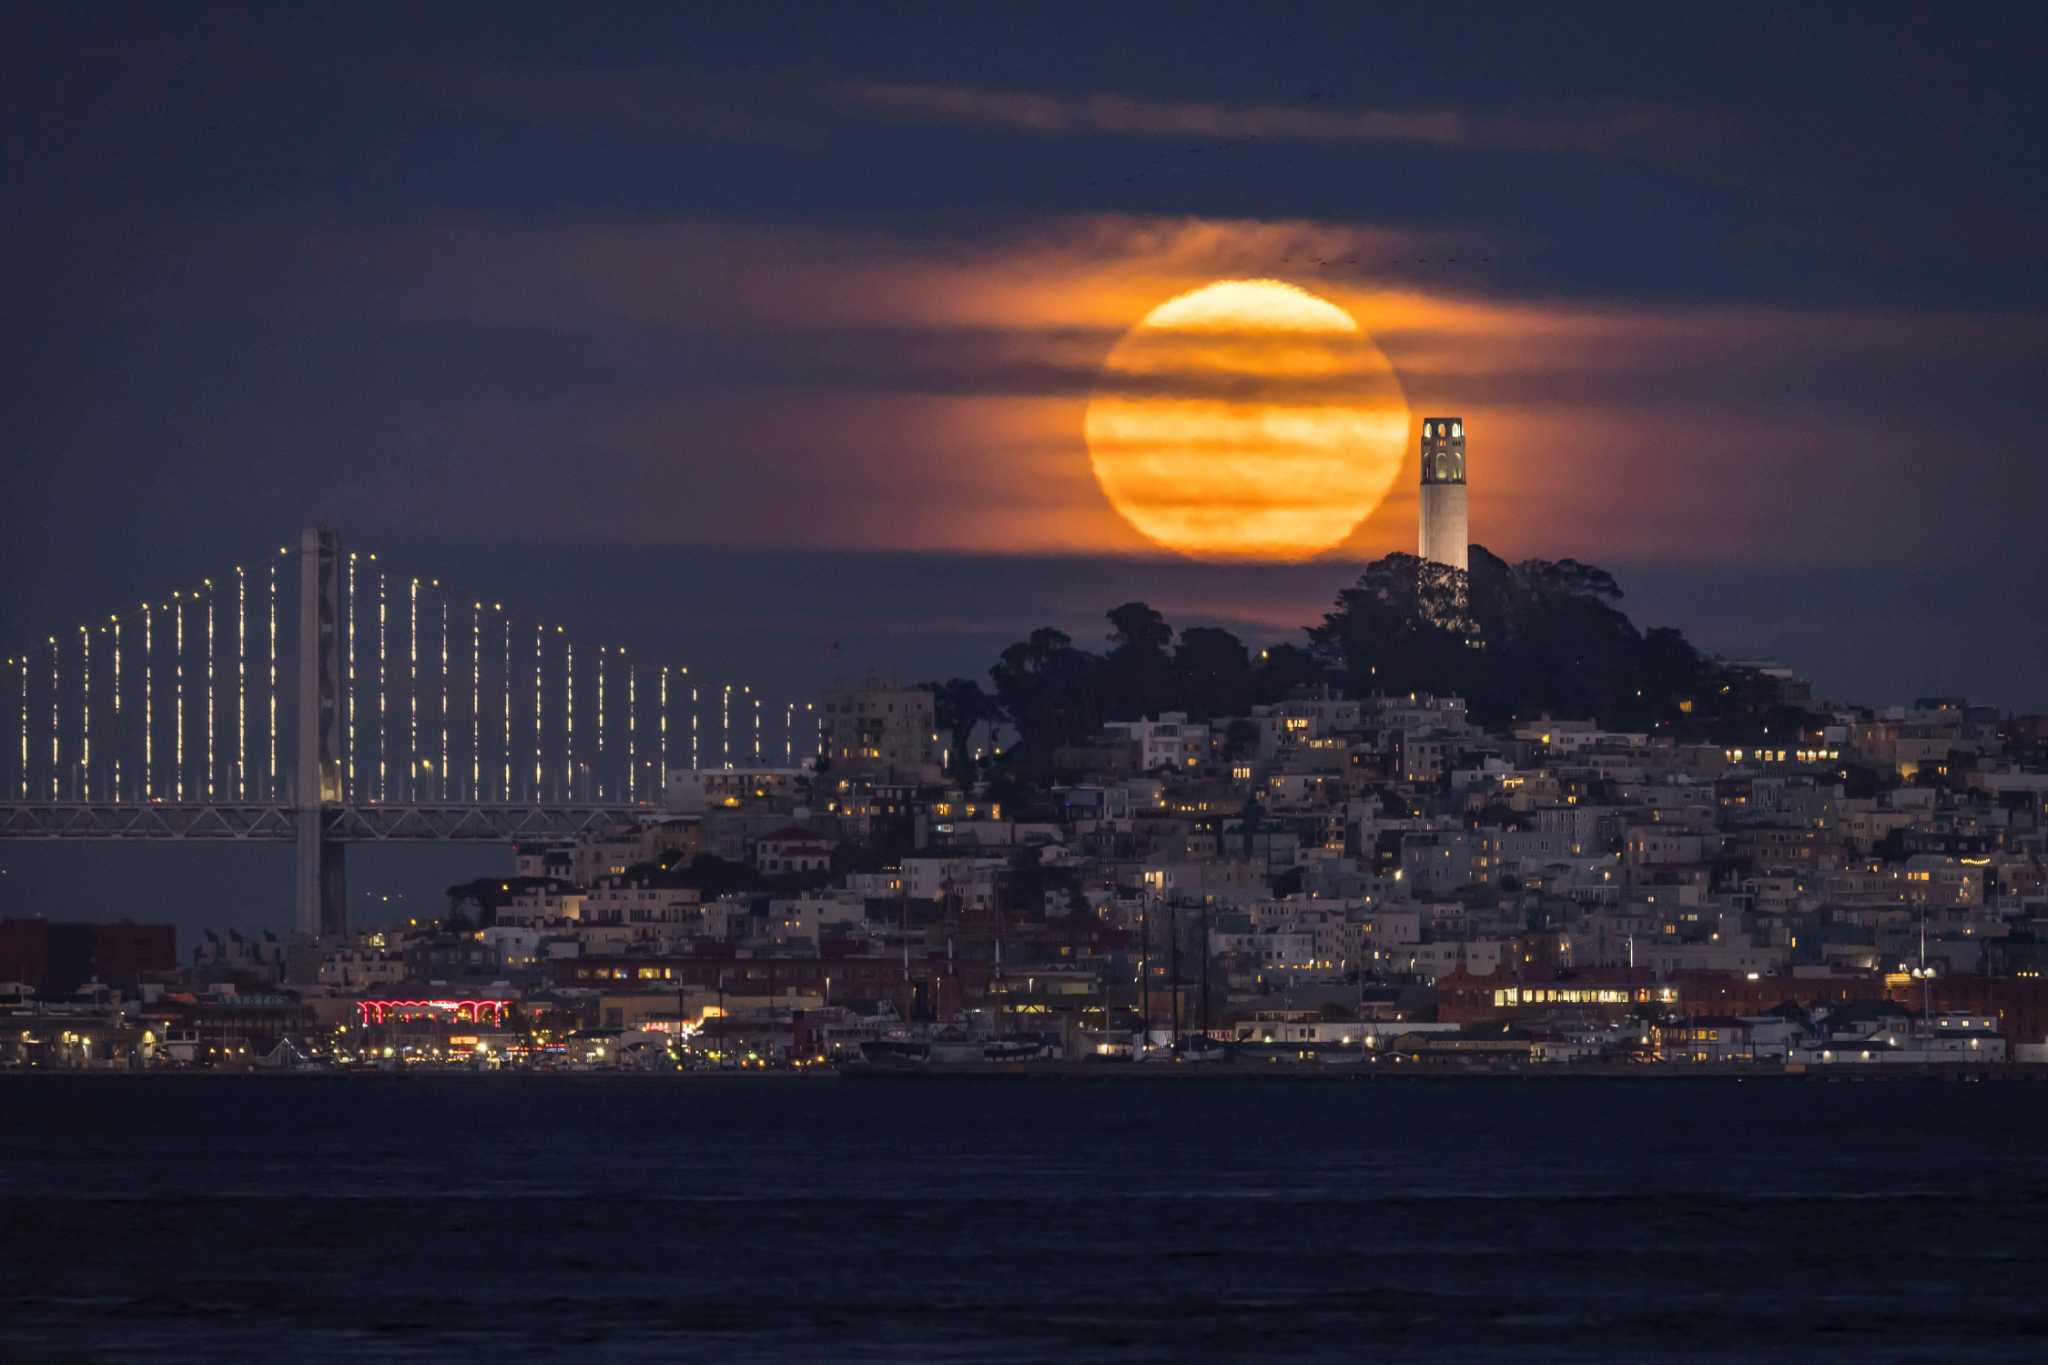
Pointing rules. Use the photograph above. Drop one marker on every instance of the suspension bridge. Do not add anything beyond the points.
(404, 710)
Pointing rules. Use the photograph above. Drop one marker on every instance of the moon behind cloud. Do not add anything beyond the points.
(1247, 419)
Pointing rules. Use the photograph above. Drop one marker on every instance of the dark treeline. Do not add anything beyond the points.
(1514, 640)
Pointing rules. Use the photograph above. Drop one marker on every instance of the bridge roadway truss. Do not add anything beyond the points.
(275, 821)
(319, 808)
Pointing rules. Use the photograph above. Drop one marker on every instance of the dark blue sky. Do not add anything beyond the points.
(736, 331)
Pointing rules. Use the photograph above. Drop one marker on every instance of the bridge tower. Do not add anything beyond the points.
(322, 886)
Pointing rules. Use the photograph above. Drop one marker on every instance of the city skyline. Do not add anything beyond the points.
(987, 683)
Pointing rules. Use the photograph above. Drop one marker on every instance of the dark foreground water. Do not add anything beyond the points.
(434, 1218)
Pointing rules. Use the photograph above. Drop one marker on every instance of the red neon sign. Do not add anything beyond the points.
(464, 1011)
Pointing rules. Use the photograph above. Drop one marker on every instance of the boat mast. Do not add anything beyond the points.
(1173, 967)
(1145, 976)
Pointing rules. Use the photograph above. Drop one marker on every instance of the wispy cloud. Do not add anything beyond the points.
(651, 103)
(718, 382)
(1604, 130)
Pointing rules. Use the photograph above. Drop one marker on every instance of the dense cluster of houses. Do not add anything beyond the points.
(1326, 879)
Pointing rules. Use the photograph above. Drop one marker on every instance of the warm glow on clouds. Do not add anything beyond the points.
(864, 388)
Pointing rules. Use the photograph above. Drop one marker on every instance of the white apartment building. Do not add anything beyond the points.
(1171, 741)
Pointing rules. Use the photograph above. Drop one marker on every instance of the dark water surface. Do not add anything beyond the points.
(433, 1218)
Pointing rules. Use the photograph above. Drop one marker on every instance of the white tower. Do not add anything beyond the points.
(1443, 491)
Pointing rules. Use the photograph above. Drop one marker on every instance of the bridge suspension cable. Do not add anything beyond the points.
(178, 699)
(85, 700)
(476, 682)
(241, 684)
(212, 768)
(116, 622)
(412, 692)
(505, 677)
(148, 703)
(442, 787)
(92, 702)
(272, 694)
(88, 724)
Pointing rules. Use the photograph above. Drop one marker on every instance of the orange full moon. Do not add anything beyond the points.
(1247, 419)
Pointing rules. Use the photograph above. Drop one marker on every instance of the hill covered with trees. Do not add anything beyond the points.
(1536, 637)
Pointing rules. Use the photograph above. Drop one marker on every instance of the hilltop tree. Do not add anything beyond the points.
(1514, 639)
(1391, 631)
(1136, 675)
(1286, 669)
(1048, 690)
(1139, 630)
(960, 707)
(1214, 671)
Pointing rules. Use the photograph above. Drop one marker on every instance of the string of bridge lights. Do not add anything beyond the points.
(102, 691)
(580, 774)
(87, 760)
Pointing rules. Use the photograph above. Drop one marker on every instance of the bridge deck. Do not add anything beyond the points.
(274, 821)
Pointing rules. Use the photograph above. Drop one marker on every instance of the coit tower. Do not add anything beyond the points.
(1443, 491)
